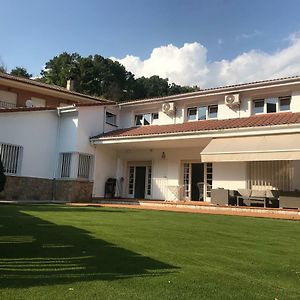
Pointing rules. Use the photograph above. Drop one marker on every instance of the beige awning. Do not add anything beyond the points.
(253, 148)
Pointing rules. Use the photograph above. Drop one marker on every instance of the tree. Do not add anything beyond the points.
(103, 77)
(3, 68)
(20, 72)
(2, 177)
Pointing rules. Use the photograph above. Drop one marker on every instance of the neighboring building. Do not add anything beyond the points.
(22, 92)
(170, 148)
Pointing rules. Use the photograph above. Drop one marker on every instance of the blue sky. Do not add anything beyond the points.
(34, 31)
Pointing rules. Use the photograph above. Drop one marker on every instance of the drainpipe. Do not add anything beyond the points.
(56, 155)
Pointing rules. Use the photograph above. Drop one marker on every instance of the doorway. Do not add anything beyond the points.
(140, 182)
(197, 182)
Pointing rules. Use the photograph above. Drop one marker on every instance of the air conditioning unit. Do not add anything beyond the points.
(168, 108)
(232, 100)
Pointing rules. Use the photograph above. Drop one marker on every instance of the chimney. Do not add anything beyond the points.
(71, 85)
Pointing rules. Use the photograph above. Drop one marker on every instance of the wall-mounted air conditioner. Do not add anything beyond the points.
(232, 100)
(168, 108)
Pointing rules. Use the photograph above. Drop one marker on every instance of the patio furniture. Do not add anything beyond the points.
(289, 199)
(200, 186)
(219, 196)
(252, 196)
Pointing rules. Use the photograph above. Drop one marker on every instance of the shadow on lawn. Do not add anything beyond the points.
(35, 252)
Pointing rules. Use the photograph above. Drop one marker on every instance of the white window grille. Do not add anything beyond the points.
(75, 165)
(84, 166)
(65, 169)
(131, 180)
(149, 180)
(209, 178)
(187, 180)
(11, 158)
(271, 175)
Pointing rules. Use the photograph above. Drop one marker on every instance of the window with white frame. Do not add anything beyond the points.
(271, 105)
(202, 112)
(11, 156)
(75, 165)
(110, 118)
(145, 119)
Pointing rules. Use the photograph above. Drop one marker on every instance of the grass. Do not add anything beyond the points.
(59, 252)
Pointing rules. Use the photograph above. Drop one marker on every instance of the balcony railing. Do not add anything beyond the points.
(4, 104)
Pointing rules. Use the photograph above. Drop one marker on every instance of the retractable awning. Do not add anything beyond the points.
(253, 148)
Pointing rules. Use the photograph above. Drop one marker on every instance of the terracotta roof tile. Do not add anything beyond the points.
(253, 121)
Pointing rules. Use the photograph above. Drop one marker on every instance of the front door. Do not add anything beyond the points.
(197, 182)
(140, 179)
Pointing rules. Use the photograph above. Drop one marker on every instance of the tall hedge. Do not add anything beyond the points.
(2, 177)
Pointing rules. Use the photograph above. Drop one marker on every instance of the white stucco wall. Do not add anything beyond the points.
(229, 175)
(68, 132)
(165, 172)
(36, 132)
(105, 167)
(90, 123)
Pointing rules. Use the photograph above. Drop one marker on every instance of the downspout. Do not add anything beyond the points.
(104, 114)
(56, 155)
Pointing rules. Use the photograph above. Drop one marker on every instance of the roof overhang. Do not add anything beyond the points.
(183, 136)
(45, 89)
(247, 87)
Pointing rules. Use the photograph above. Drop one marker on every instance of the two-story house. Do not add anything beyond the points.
(171, 148)
(180, 147)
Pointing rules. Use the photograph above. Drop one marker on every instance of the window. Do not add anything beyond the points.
(149, 180)
(111, 119)
(131, 180)
(154, 116)
(284, 103)
(11, 158)
(145, 119)
(75, 165)
(65, 168)
(38, 102)
(271, 105)
(84, 165)
(213, 111)
(209, 172)
(202, 112)
(259, 106)
(192, 113)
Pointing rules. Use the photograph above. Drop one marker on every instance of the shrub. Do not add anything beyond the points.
(2, 177)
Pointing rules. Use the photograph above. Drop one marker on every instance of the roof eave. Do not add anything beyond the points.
(270, 129)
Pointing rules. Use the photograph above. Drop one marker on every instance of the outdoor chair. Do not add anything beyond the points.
(200, 186)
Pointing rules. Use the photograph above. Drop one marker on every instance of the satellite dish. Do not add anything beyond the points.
(29, 103)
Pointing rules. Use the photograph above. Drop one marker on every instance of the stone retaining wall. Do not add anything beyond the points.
(31, 188)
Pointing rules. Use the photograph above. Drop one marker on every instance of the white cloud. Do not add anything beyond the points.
(189, 65)
(248, 35)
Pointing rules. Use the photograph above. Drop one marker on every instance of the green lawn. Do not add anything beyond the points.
(59, 252)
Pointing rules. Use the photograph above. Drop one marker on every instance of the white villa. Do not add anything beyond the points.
(181, 147)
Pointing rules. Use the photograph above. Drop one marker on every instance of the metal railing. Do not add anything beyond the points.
(4, 104)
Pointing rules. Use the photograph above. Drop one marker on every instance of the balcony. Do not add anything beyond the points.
(4, 104)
